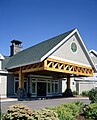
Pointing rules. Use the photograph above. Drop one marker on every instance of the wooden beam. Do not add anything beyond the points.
(66, 67)
(57, 66)
(31, 68)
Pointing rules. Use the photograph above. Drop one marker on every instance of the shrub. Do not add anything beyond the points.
(85, 93)
(46, 114)
(21, 112)
(90, 111)
(64, 113)
(75, 107)
(68, 111)
(67, 93)
(75, 92)
(18, 112)
(93, 95)
(0, 113)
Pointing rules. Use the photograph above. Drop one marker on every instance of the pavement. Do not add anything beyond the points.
(8, 99)
(41, 103)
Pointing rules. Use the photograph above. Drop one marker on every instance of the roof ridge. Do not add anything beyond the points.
(48, 39)
(34, 53)
(44, 41)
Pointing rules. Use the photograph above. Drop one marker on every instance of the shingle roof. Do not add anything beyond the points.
(5, 62)
(36, 52)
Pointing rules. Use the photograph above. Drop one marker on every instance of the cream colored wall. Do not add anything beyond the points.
(85, 86)
(3, 86)
(64, 86)
(65, 53)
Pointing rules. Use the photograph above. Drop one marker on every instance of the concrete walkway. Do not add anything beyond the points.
(38, 104)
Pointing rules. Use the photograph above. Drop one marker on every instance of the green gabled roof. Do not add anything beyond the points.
(35, 53)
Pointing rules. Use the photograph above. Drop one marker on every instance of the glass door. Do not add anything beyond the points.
(41, 89)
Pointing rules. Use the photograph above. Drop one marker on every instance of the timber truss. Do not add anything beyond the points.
(57, 66)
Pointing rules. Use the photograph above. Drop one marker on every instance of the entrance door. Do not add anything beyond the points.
(41, 89)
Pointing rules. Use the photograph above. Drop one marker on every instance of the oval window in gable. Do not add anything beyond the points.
(73, 47)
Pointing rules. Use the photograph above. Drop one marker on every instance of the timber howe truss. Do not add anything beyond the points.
(57, 66)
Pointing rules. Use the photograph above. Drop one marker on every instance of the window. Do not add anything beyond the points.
(52, 87)
(49, 87)
(16, 86)
(33, 87)
(56, 87)
(72, 83)
(73, 47)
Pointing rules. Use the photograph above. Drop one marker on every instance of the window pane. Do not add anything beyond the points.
(56, 87)
(25, 86)
(52, 87)
(49, 89)
(16, 86)
(33, 87)
(72, 83)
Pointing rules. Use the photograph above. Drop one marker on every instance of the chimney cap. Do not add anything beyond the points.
(17, 42)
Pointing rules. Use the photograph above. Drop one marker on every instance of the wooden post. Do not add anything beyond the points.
(68, 92)
(21, 93)
(68, 81)
(21, 79)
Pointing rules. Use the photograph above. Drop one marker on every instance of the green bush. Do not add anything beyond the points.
(21, 112)
(67, 93)
(64, 113)
(0, 113)
(85, 93)
(93, 95)
(46, 114)
(90, 111)
(68, 111)
(18, 112)
(75, 92)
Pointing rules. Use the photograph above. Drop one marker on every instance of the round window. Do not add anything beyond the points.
(73, 47)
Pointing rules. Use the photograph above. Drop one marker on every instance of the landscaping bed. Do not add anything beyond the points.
(68, 111)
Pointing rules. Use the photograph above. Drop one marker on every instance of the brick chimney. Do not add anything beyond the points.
(15, 47)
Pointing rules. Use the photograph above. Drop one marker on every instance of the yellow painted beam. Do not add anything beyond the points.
(66, 67)
(57, 66)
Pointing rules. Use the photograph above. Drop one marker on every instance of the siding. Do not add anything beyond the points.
(84, 86)
(3, 86)
(65, 53)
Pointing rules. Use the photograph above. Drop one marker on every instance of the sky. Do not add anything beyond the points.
(33, 21)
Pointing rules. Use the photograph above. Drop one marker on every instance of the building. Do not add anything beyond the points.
(45, 69)
(87, 83)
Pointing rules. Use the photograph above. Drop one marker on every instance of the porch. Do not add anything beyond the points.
(54, 71)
